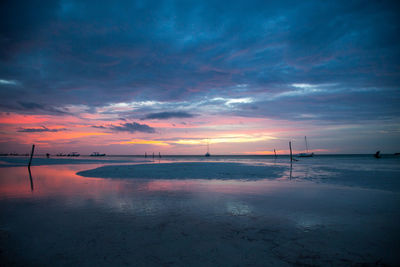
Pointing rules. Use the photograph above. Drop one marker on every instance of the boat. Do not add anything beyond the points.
(306, 154)
(208, 149)
(73, 154)
(97, 154)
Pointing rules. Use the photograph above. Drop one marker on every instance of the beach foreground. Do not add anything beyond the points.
(266, 214)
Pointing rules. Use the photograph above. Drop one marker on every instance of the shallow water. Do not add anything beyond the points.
(318, 212)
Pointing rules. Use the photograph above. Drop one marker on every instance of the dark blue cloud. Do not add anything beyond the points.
(33, 108)
(36, 107)
(40, 130)
(99, 127)
(90, 53)
(169, 115)
(128, 127)
(133, 127)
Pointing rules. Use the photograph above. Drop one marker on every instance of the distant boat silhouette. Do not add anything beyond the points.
(208, 149)
(306, 154)
(97, 154)
(378, 154)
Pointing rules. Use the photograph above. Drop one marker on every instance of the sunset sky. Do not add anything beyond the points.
(129, 77)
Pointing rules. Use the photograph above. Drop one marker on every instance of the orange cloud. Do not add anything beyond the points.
(21, 119)
(142, 141)
(46, 137)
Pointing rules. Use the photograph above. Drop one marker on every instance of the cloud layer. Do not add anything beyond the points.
(130, 127)
(200, 64)
(168, 115)
(39, 130)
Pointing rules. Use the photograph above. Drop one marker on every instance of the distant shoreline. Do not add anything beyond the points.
(199, 155)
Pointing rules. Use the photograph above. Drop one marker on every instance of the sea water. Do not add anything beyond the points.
(325, 210)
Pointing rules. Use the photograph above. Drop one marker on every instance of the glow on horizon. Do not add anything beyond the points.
(285, 152)
(233, 138)
(226, 134)
(218, 130)
(144, 142)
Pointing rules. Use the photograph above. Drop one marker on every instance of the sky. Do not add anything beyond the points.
(247, 77)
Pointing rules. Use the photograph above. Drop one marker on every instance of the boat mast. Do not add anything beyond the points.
(305, 139)
(208, 146)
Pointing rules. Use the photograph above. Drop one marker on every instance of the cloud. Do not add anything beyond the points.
(32, 107)
(133, 127)
(233, 101)
(128, 127)
(169, 115)
(99, 127)
(186, 52)
(8, 82)
(40, 130)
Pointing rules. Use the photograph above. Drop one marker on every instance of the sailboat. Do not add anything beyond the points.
(306, 154)
(208, 149)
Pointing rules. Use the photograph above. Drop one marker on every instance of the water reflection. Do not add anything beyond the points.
(70, 215)
(62, 181)
(30, 177)
(142, 197)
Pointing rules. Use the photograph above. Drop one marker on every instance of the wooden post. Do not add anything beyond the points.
(30, 160)
(29, 166)
(290, 147)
